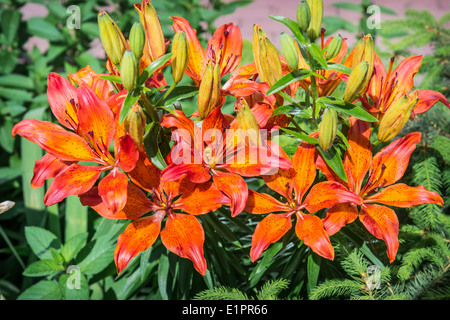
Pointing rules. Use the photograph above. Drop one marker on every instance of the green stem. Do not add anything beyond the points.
(376, 143)
(149, 108)
(314, 91)
(168, 91)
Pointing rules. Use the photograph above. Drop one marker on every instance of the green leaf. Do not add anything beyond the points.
(301, 136)
(42, 268)
(313, 269)
(292, 25)
(287, 79)
(152, 147)
(333, 158)
(10, 21)
(132, 97)
(40, 27)
(71, 248)
(340, 67)
(180, 93)
(155, 65)
(40, 241)
(315, 52)
(163, 272)
(112, 78)
(74, 286)
(265, 263)
(347, 108)
(99, 257)
(43, 290)
(348, 6)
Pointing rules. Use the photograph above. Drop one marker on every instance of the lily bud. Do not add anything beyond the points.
(365, 51)
(334, 47)
(137, 40)
(356, 82)
(180, 58)
(247, 122)
(303, 15)
(266, 57)
(316, 8)
(289, 50)
(208, 92)
(128, 70)
(328, 128)
(111, 37)
(396, 116)
(153, 30)
(134, 124)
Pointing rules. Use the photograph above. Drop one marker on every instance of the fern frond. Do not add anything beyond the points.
(271, 289)
(355, 264)
(221, 293)
(336, 288)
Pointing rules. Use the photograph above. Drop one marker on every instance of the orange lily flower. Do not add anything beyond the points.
(183, 234)
(385, 88)
(293, 185)
(385, 169)
(92, 128)
(202, 153)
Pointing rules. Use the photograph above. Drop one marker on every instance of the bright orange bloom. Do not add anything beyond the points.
(93, 126)
(183, 234)
(293, 185)
(212, 151)
(385, 169)
(385, 88)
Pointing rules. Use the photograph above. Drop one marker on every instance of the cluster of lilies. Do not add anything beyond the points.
(111, 149)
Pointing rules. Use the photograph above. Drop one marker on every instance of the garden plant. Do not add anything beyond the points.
(209, 174)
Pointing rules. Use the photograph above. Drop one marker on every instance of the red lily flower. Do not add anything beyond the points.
(385, 88)
(293, 185)
(183, 234)
(385, 169)
(92, 128)
(202, 153)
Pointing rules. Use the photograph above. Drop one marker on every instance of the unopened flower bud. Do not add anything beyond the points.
(134, 124)
(365, 51)
(209, 90)
(180, 58)
(303, 15)
(266, 57)
(334, 47)
(247, 122)
(111, 37)
(356, 82)
(328, 128)
(289, 50)
(137, 39)
(128, 70)
(153, 30)
(396, 116)
(316, 8)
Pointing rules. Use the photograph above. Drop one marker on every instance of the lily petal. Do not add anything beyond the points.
(204, 198)
(269, 231)
(358, 157)
(62, 144)
(46, 168)
(113, 190)
(305, 169)
(382, 223)
(138, 236)
(227, 40)
(62, 97)
(338, 216)
(327, 194)
(184, 236)
(427, 98)
(309, 229)
(197, 173)
(128, 153)
(234, 187)
(404, 196)
(390, 163)
(74, 180)
(145, 174)
(260, 203)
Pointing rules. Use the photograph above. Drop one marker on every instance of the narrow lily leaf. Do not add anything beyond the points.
(112, 78)
(339, 67)
(333, 158)
(180, 93)
(315, 52)
(282, 110)
(130, 100)
(155, 65)
(151, 145)
(313, 269)
(301, 136)
(287, 79)
(347, 108)
(292, 25)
